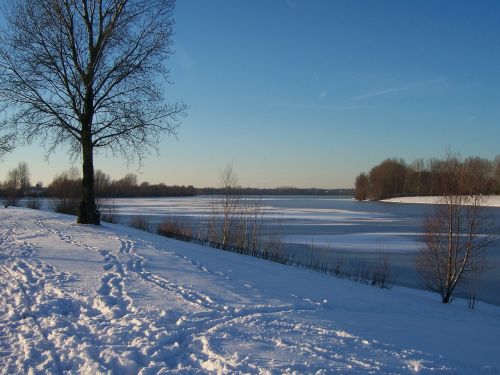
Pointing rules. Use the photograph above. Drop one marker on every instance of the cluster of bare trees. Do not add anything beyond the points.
(395, 177)
(16, 185)
(65, 190)
(129, 187)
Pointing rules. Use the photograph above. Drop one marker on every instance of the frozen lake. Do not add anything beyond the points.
(336, 226)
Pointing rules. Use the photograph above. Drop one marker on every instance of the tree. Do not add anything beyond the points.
(479, 175)
(417, 168)
(17, 183)
(496, 174)
(387, 179)
(125, 186)
(362, 185)
(24, 178)
(230, 203)
(456, 233)
(89, 75)
(64, 190)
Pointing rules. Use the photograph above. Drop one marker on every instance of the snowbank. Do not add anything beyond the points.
(111, 299)
(490, 201)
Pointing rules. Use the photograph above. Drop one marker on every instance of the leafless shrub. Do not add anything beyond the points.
(16, 184)
(273, 245)
(141, 223)
(174, 229)
(338, 270)
(381, 273)
(65, 192)
(33, 203)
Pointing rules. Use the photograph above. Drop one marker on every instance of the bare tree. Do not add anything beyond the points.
(24, 178)
(387, 179)
(89, 75)
(64, 191)
(479, 175)
(496, 174)
(362, 185)
(230, 203)
(17, 183)
(456, 234)
(418, 167)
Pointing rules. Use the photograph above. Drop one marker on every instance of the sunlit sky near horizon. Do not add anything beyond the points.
(311, 93)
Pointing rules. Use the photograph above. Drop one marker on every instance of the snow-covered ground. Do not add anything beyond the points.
(110, 299)
(490, 201)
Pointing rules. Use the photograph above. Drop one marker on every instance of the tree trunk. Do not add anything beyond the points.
(447, 297)
(87, 210)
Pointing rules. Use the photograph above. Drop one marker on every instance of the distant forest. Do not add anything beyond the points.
(396, 177)
(278, 191)
(126, 187)
(68, 185)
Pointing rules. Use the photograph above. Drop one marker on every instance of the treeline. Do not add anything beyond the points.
(278, 191)
(396, 177)
(17, 184)
(68, 185)
(126, 187)
(65, 191)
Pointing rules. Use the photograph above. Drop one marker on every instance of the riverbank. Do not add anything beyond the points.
(489, 201)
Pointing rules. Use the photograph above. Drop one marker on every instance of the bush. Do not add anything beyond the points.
(34, 203)
(67, 206)
(173, 229)
(141, 223)
(381, 273)
(65, 191)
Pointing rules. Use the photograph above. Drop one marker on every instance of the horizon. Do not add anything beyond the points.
(311, 94)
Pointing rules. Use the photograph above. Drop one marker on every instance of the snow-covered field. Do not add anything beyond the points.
(490, 201)
(110, 299)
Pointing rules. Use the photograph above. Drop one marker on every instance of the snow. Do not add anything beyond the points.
(489, 201)
(111, 299)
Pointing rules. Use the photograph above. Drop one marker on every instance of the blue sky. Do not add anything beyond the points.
(310, 93)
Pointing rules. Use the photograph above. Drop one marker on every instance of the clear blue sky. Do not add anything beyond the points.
(310, 93)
